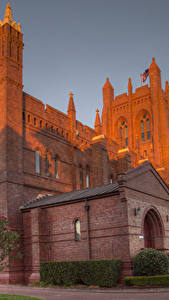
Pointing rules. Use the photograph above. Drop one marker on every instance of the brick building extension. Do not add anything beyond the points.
(47, 152)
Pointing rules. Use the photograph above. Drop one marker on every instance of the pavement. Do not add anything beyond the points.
(89, 294)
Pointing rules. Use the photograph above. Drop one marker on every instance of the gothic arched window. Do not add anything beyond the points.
(77, 230)
(142, 131)
(81, 176)
(111, 178)
(37, 162)
(47, 165)
(56, 166)
(87, 177)
(148, 129)
(124, 134)
(145, 128)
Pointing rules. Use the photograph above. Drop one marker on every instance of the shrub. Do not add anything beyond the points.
(160, 280)
(104, 273)
(8, 242)
(150, 262)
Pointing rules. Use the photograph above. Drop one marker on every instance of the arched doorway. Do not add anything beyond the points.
(153, 230)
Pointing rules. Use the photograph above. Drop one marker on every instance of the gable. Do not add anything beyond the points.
(148, 181)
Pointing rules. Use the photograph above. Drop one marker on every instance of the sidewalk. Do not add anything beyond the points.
(67, 293)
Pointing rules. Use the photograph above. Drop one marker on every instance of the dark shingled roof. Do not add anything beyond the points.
(71, 196)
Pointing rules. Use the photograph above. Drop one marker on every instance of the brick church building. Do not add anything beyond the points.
(74, 192)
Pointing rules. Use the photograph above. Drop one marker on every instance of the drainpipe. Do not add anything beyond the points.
(87, 229)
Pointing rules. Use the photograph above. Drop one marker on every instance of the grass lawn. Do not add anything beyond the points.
(17, 297)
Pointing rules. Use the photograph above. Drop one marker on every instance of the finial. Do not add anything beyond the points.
(166, 85)
(71, 94)
(8, 14)
(153, 59)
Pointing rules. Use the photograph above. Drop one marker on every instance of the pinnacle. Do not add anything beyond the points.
(107, 84)
(71, 106)
(154, 65)
(8, 14)
(129, 86)
(129, 82)
(97, 120)
(8, 18)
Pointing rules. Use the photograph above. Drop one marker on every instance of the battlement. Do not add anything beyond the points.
(141, 91)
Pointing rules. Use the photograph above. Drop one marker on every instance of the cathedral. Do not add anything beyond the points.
(74, 192)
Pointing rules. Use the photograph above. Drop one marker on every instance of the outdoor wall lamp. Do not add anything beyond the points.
(86, 206)
(137, 211)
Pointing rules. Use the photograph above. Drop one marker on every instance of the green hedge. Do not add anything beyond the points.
(158, 280)
(105, 273)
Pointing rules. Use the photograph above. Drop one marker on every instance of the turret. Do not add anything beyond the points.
(155, 87)
(108, 97)
(72, 115)
(154, 75)
(98, 126)
(167, 92)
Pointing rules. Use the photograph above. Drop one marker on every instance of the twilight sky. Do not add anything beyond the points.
(73, 45)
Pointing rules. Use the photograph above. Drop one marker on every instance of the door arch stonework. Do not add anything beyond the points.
(153, 230)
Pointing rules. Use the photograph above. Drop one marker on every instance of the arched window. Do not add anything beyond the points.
(77, 230)
(81, 176)
(111, 179)
(47, 165)
(34, 121)
(145, 153)
(145, 128)
(37, 162)
(56, 166)
(148, 129)
(126, 135)
(123, 134)
(41, 124)
(10, 49)
(87, 177)
(18, 56)
(142, 131)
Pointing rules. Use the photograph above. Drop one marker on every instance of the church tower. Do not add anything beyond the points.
(11, 129)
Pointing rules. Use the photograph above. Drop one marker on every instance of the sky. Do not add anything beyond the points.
(73, 45)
